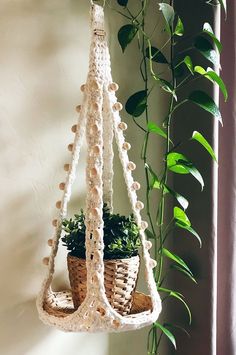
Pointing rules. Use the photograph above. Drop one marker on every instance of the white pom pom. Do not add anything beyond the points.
(70, 147)
(62, 186)
(126, 146)
(74, 128)
(78, 108)
(66, 167)
(148, 244)
(45, 260)
(152, 263)
(50, 242)
(113, 87)
(83, 87)
(58, 204)
(117, 106)
(131, 166)
(139, 205)
(55, 223)
(144, 225)
(136, 186)
(123, 126)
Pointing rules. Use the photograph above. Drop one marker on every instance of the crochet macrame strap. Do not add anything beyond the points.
(99, 119)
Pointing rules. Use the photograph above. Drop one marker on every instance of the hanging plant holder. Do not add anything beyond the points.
(96, 308)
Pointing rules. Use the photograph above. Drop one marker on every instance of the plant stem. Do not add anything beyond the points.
(165, 174)
(144, 73)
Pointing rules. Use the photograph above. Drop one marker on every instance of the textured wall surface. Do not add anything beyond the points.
(44, 52)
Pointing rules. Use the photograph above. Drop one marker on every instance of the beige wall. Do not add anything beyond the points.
(43, 61)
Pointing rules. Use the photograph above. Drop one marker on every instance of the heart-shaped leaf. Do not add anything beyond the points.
(167, 332)
(173, 165)
(122, 2)
(169, 15)
(181, 216)
(152, 127)
(125, 35)
(189, 64)
(209, 31)
(179, 29)
(182, 221)
(179, 164)
(200, 139)
(183, 271)
(181, 199)
(206, 49)
(156, 55)
(175, 258)
(211, 75)
(203, 100)
(137, 103)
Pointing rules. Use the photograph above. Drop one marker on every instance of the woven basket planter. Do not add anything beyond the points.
(120, 278)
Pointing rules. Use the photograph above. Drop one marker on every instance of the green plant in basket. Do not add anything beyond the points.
(121, 235)
(121, 259)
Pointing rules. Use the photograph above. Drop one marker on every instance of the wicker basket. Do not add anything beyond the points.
(120, 278)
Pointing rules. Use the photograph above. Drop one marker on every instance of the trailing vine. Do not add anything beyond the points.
(155, 65)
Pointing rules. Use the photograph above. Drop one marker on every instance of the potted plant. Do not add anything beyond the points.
(121, 258)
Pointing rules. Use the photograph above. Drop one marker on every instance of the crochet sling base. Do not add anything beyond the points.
(99, 119)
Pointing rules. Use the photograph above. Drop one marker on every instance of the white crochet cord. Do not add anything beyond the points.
(100, 118)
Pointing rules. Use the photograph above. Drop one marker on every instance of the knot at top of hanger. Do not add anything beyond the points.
(97, 19)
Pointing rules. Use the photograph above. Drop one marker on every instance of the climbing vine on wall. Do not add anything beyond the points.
(171, 70)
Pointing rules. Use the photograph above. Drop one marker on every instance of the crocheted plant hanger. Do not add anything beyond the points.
(99, 118)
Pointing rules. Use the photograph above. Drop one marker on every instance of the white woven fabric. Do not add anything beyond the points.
(100, 118)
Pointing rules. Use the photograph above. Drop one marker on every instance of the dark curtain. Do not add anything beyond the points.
(226, 304)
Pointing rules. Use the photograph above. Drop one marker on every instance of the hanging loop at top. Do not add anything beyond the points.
(97, 19)
(92, 3)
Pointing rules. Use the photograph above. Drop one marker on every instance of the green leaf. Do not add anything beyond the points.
(189, 64)
(185, 304)
(206, 49)
(180, 215)
(179, 164)
(189, 229)
(209, 31)
(179, 29)
(203, 100)
(183, 271)
(137, 103)
(122, 2)
(167, 290)
(175, 258)
(176, 326)
(193, 171)
(152, 127)
(156, 55)
(169, 15)
(182, 200)
(180, 298)
(214, 77)
(211, 75)
(200, 139)
(125, 35)
(172, 163)
(167, 332)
